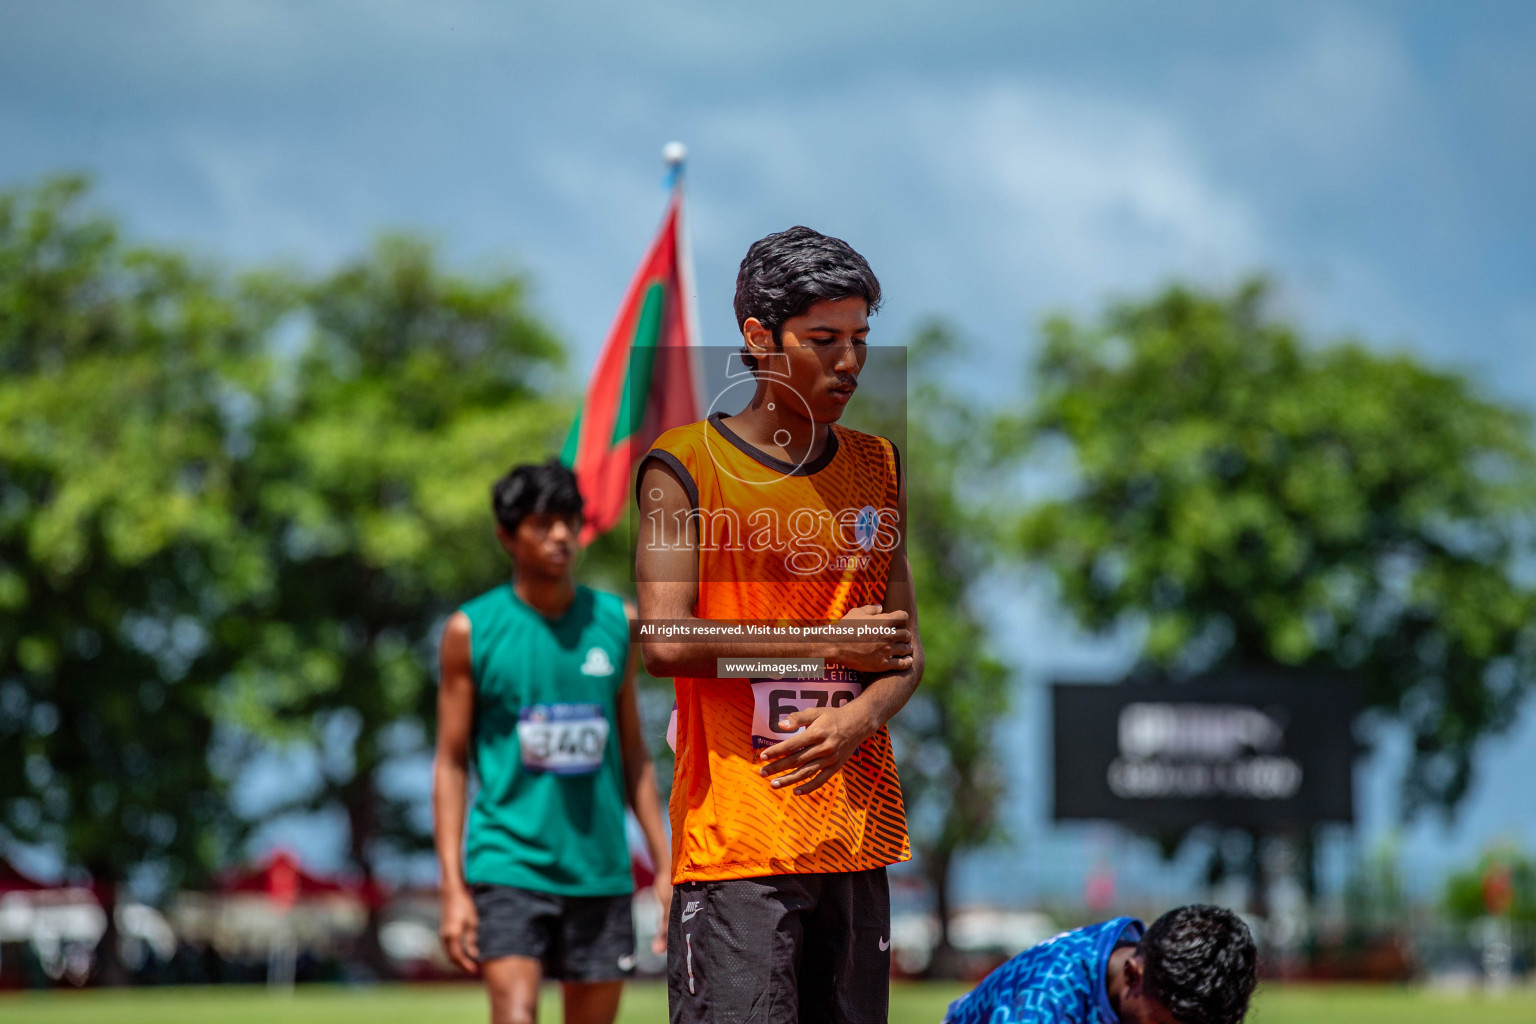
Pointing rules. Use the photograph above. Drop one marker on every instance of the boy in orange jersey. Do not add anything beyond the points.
(785, 804)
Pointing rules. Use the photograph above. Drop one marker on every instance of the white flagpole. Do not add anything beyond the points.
(675, 155)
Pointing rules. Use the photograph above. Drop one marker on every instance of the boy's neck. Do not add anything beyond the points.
(758, 424)
(550, 596)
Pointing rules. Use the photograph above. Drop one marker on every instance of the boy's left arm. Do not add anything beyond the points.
(640, 788)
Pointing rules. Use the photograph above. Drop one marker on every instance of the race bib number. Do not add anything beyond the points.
(772, 699)
(565, 739)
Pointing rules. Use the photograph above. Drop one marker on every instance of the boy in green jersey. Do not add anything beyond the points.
(537, 689)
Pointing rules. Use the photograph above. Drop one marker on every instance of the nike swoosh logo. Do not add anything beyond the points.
(885, 944)
(689, 911)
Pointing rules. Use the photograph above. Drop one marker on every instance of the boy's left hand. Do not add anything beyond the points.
(812, 757)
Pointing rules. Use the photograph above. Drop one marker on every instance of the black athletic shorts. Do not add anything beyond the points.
(782, 949)
(576, 938)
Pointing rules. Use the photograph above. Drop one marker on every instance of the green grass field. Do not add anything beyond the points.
(647, 1004)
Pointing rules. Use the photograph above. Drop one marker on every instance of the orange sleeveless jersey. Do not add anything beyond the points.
(777, 542)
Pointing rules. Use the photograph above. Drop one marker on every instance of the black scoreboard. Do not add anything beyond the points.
(1253, 749)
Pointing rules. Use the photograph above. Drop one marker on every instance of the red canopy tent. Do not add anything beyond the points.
(284, 880)
(12, 880)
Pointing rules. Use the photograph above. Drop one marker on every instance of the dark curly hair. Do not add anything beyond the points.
(534, 489)
(1201, 964)
(783, 274)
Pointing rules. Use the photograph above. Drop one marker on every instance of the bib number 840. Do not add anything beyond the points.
(565, 748)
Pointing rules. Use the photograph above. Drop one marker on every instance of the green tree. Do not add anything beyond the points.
(951, 775)
(121, 373)
(410, 392)
(1250, 498)
(1501, 883)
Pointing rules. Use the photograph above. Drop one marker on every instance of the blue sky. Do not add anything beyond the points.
(993, 160)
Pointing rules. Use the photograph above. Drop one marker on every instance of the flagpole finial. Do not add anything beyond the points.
(674, 153)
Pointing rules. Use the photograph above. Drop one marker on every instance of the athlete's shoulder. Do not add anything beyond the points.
(861, 442)
(1075, 940)
(876, 452)
(681, 437)
(683, 450)
(846, 433)
(605, 603)
(1062, 961)
(493, 600)
(1112, 930)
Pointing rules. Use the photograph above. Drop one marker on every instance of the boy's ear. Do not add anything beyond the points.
(759, 340)
(1134, 971)
(504, 538)
(756, 337)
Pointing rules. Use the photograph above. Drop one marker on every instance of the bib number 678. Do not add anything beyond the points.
(782, 703)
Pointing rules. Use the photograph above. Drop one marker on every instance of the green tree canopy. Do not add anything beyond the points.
(120, 542)
(1253, 498)
(408, 392)
(233, 510)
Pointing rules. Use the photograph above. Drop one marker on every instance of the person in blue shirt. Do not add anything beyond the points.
(1195, 965)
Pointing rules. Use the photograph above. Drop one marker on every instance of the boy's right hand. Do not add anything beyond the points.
(459, 927)
(891, 652)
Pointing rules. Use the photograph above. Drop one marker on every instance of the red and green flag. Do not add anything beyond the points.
(643, 383)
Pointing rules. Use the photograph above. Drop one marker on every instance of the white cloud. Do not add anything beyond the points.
(1086, 193)
(988, 201)
(1343, 96)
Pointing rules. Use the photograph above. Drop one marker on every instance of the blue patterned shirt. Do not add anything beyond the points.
(1060, 981)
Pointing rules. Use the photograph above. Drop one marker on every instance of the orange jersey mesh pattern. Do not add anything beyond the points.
(727, 821)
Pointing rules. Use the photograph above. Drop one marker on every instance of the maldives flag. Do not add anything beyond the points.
(643, 382)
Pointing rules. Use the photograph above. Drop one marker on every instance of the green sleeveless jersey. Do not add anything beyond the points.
(549, 815)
